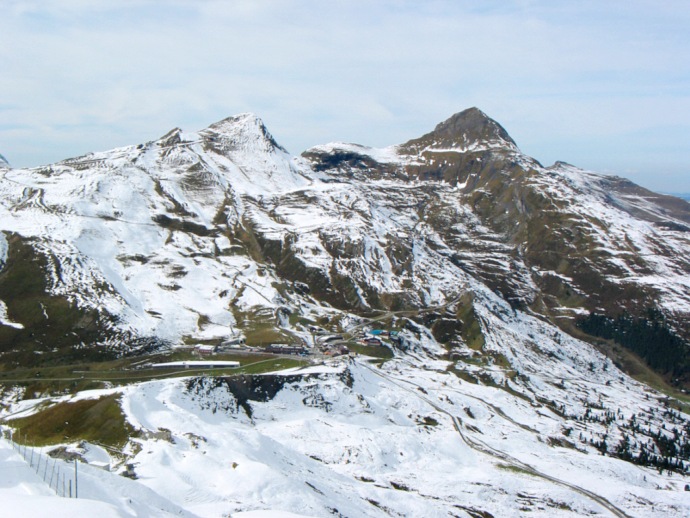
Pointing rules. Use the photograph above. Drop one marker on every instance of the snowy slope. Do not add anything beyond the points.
(24, 492)
(647, 250)
(410, 438)
(523, 228)
(131, 231)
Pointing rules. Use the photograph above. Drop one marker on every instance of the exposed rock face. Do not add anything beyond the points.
(469, 129)
(184, 236)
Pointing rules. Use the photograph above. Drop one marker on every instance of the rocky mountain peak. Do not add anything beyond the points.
(469, 130)
(171, 138)
(244, 131)
(4, 162)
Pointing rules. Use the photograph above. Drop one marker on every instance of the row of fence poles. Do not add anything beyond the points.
(64, 485)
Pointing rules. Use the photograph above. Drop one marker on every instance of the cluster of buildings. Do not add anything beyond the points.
(332, 345)
(375, 336)
(327, 343)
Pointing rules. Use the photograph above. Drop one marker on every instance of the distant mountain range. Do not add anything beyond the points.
(149, 245)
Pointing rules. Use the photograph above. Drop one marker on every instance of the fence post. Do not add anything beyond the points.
(50, 484)
(76, 480)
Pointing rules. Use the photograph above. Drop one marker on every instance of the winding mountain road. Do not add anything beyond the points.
(482, 447)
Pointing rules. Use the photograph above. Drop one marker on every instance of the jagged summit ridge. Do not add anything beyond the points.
(4, 162)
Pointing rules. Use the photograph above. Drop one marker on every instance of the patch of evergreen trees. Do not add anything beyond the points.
(649, 337)
(660, 447)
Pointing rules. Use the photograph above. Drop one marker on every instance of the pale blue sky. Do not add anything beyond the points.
(604, 85)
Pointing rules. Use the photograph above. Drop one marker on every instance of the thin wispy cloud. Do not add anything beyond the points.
(603, 85)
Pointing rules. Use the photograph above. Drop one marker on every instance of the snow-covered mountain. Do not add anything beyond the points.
(492, 268)
(143, 235)
(161, 235)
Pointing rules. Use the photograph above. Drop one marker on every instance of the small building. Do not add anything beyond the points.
(371, 341)
(338, 350)
(205, 350)
(285, 349)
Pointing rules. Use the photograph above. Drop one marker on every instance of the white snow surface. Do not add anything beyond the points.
(386, 155)
(408, 438)
(24, 492)
(4, 320)
(637, 250)
(95, 216)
